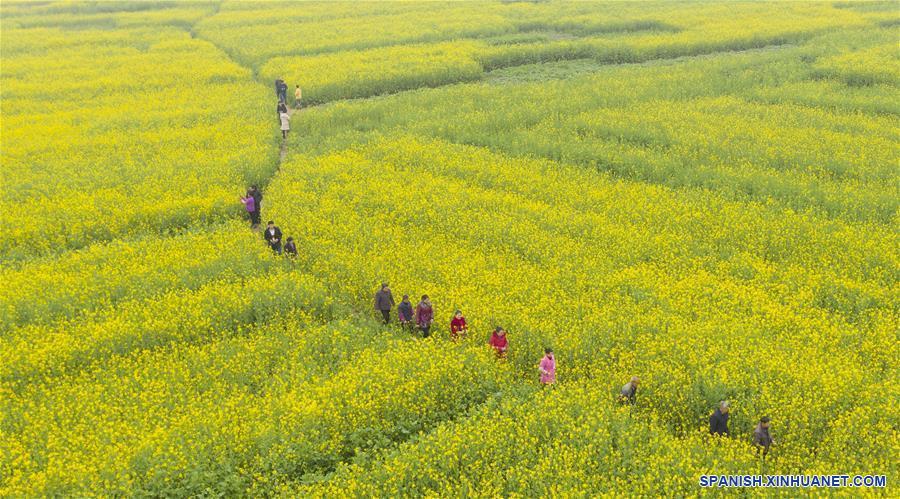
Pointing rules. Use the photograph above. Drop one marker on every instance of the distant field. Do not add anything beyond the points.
(702, 194)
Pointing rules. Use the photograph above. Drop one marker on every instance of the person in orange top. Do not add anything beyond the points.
(458, 327)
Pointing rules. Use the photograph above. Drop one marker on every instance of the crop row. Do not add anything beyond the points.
(695, 136)
(618, 277)
(287, 399)
(148, 139)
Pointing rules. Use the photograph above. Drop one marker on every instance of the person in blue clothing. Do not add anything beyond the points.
(718, 421)
(281, 90)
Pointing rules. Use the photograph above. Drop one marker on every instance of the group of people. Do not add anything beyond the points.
(252, 202)
(284, 116)
(718, 420)
(421, 318)
(718, 425)
(272, 235)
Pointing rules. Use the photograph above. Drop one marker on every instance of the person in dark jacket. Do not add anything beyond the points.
(384, 301)
(272, 235)
(761, 437)
(405, 312)
(718, 421)
(629, 391)
(290, 248)
(281, 90)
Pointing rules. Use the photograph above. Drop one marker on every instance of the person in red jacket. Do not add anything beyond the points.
(499, 342)
(458, 327)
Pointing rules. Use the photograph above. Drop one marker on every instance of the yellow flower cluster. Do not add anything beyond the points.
(285, 398)
(666, 126)
(105, 136)
(101, 276)
(345, 75)
(706, 298)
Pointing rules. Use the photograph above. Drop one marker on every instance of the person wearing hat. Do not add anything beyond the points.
(499, 342)
(761, 437)
(718, 421)
(629, 391)
(405, 312)
(458, 327)
(384, 301)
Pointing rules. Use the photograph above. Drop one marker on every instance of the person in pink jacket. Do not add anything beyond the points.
(547, 367)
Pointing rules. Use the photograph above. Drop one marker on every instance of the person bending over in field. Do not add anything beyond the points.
(547, 367)
(297, 96)
(290, 248)
(424, 316)
(405, 312)
(273, 237)
(629, 391)
(718, 421)
(250, 206)
(499, 342)
(458, 327)
(285, 124)
(384, 301)
(761, 437)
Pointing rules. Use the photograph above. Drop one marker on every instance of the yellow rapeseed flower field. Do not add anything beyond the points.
(704, 195)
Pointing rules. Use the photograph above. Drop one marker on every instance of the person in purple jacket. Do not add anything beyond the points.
(250, 206)
(424, 316)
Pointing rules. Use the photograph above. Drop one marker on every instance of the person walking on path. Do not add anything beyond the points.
(761, 437)
(250, 206)
(458, 327)
(405, 312)
(424, 316)
(499, 342)
(629, 391)
(718, 421)
(290, 248)
(281, 90)
(547, 367)
(384, 301)
(273, 237)
(298, 95)
(280, 108)
(256, 194)
(285, 125)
